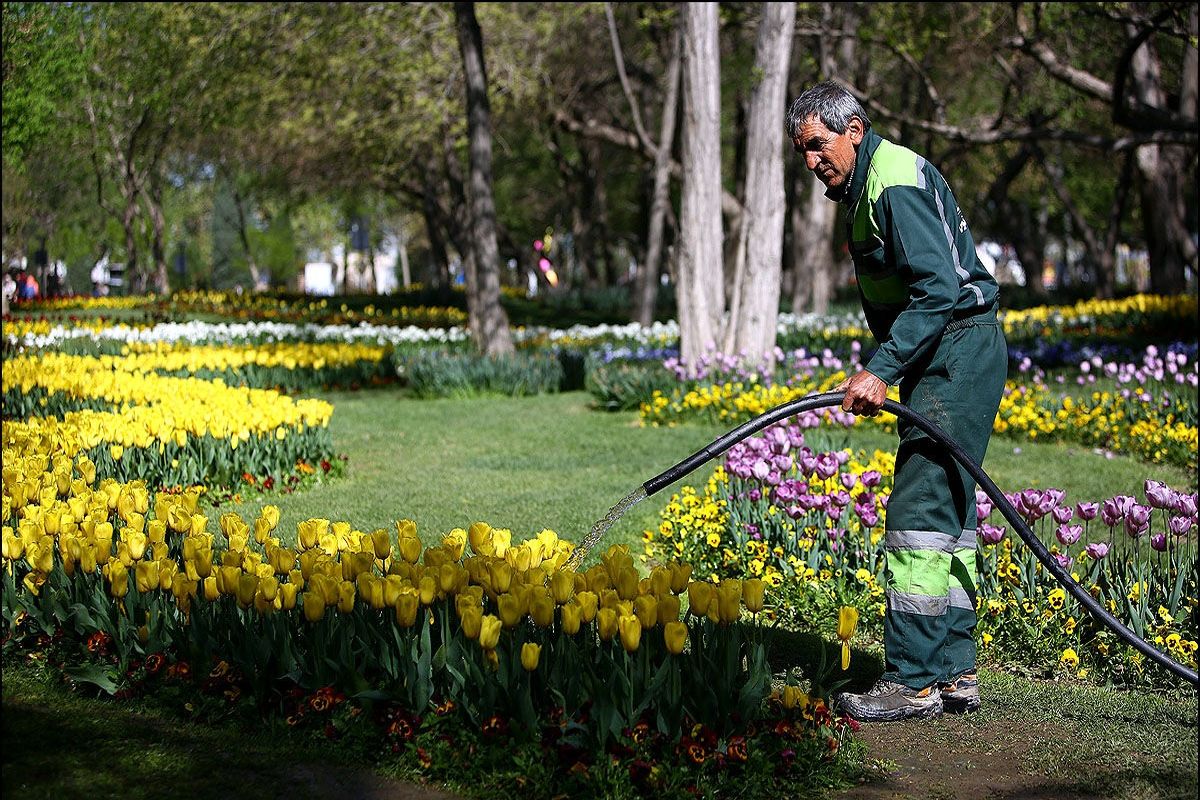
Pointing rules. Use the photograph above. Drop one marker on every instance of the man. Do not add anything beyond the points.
(932, 308)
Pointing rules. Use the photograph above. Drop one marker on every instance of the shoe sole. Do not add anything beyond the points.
(896, 715)
(961, 706)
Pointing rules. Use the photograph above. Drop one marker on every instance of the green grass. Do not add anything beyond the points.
(552, 462)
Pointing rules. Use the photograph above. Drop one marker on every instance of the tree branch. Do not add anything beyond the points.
(620, 59)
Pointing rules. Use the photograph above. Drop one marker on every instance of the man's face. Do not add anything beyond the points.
(829, 155)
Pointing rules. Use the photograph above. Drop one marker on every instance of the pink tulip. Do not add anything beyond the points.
(1087, 511)
(1069, 534)
(1159, 495)
(1180, 525)
(1062, 514)
(1096, 550)
(1159, 542)
(992, 534)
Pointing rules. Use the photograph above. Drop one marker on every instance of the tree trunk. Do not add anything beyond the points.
(153, 199)
(484, 302)
(700, 285)
(646, 293)
(1164, 172)
(813, 224)
(753, 319)
(129, 224)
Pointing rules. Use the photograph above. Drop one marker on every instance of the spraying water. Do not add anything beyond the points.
(601, 527)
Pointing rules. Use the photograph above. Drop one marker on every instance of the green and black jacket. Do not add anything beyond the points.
(913, 254)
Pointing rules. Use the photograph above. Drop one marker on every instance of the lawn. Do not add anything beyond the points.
(552, 462)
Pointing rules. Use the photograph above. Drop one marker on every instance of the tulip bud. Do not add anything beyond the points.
(572, 617)
(631, 632)
(428, 588)
(675, 635)
(752, 594)
(530, 653)
(700, 597)
(346, 596)
(472, 621)
(729, 599)
(480, 537)
(541, 608)
(489, 632)
(793, 697)
(287, 595)
(406, 608)
(211, 592)
(627, 583)
(314, 606)
(589, 603)
(562, 586)
(668, 609)
(381, 543)
(510, 609)
(606, 623)
(660, 581)
(410, 548)
(502, 576)
(645, 608)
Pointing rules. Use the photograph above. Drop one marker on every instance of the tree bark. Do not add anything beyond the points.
(700, 285)
(1164, 171)
(494, 336)
(646, 293)
(753, 319)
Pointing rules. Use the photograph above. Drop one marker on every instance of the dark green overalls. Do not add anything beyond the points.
(932, 307)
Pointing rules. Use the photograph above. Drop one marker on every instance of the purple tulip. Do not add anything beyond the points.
(1186, 504)
(842, 456)
(1137, 520)
(760, 469)
(755, 495)
(1114, 509)
(871, 478)
(883, 500)
(1064, 560)
(869, 517)
(794, 511)
(992, 534)
(773, 478)
(777, 438)
(848, 480)
(827, 465)
(808, 462)
(1180, 525)
(810, 501)
(1062, 514)
(1087, 511)
(1159, 542)
(1159, 495)
(835, 512)
(1096, 550)
(1069, 534)
(840, 499)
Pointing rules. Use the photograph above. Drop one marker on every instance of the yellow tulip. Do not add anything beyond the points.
(310, 531)
(752, 594)
(392, 584)
(511, 609)
(211, 592)
(502, 576)
(627, 583)
(645, 608)
(606, 623)
(381, 543)
(668, 609)
(793, 697)
(847, 622)
(660, 581)
(455, 543)
(287, 594)
(700, 597)
(572, 617)
(675, 635)
(410, 548)
(530, 653)
(448, 578)
(147, 576)
(729, 599)
(472, 622)
(562, 586)
(346, 596)
(247, 585)
(406, 608)
(137, 545)
(631, 632)
(541, 609)
(314, 606)
(589, 603)
(480, 537)
(489, 632)
(428, 588)
(118, 577)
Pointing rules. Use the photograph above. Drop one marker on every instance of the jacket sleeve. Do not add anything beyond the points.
(914, 232)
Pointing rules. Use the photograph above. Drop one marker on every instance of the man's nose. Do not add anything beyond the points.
(811, 160)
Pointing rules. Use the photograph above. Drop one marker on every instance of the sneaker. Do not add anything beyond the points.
(887, 701)
(961, 695)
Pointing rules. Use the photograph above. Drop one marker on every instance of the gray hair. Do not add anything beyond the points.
(829, 102)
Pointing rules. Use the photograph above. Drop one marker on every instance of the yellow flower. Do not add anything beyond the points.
(511, 609)
(729, 599)
(406, 608)
(489, 632)
(752, 594)
(700, 597)
(1070, 658)
(675, 634)
(847, 623)
(631, 632)
(530, 653)
(794, 696)
(572, 617)
(606, 623)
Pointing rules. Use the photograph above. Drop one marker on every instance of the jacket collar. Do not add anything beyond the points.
(862, 163)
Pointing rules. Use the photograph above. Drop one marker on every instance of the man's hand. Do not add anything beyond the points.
(864, 394)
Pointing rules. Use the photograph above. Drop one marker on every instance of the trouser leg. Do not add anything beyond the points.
(930, 532)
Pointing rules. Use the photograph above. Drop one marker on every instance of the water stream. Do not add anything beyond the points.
(601, 527)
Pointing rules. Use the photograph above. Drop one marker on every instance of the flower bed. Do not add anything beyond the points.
(577, 664)
(811, 525)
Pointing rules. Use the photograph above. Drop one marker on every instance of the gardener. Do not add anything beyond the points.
(932, 308)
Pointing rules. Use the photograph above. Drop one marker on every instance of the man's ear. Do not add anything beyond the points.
(856, 130)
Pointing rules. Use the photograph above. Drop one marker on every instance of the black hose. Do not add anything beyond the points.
(815, 401)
